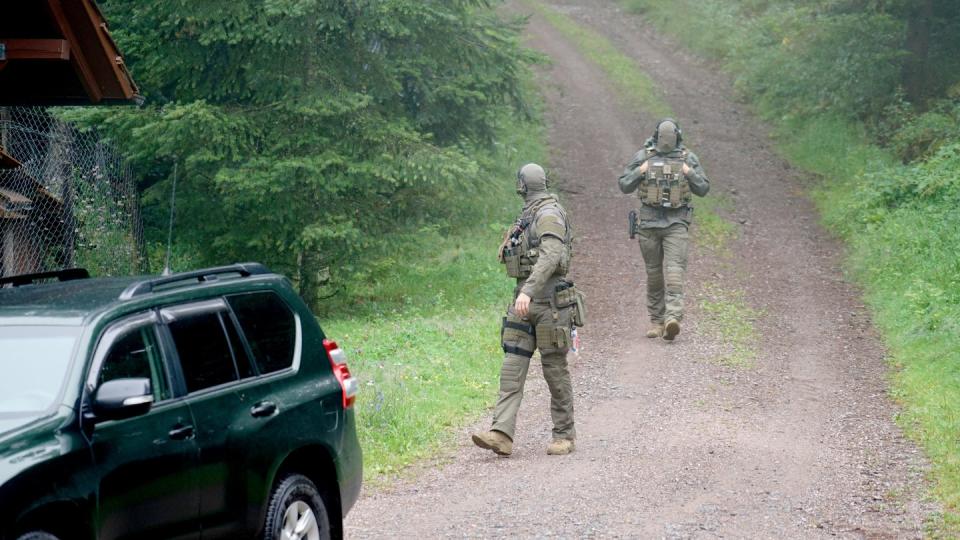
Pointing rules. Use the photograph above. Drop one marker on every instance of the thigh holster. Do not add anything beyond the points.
(517, 337)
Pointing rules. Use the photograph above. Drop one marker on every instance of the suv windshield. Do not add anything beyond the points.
(33, 361)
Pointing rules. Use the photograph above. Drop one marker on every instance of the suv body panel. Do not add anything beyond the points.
(60, 458)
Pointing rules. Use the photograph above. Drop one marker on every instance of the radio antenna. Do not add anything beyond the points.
(173, 207)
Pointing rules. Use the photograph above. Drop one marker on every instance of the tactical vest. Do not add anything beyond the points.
(523, 249)
(664, 184)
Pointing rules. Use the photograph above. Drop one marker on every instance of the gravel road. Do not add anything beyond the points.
(671, 443)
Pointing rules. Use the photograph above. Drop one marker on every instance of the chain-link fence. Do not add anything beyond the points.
(72, 201)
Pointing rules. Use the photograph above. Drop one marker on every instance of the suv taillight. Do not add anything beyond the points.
(338, 361)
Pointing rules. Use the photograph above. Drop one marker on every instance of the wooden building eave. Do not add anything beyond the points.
(60, 52)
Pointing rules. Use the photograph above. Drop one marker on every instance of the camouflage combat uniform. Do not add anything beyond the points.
(663, 219)
(537, 253)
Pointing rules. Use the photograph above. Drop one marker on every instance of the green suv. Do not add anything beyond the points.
(206, 404)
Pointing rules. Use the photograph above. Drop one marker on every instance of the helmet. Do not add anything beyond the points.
(531, 178)
(667, 136)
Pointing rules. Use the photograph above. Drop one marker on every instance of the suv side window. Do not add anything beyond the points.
(205, 355)
(135, 353)
(244, 366)
(270, 328)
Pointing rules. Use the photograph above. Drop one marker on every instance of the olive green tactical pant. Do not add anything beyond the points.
(548, 330)
(665, 256)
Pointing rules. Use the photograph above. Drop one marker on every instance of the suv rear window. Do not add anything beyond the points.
(270, 328)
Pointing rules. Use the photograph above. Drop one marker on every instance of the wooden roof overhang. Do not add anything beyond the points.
(59, 52)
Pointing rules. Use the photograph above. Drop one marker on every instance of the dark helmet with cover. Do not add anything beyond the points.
(667, 136)
(531, 178)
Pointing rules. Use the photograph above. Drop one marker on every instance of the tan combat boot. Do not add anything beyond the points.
(671, 329)
(494, 440)
(655, 331)
(560, 447)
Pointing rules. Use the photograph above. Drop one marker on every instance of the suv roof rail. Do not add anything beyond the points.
(207, 274)
(67, 274)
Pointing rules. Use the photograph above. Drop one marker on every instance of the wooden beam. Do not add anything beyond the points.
(78, 60)
(106, 42)
(7, 161)
(36, 49)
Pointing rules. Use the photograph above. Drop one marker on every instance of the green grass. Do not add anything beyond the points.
(731, 321)
(421, 376)
(635, 87)
(711, 229)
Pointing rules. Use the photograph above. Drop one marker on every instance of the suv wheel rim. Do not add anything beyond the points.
(300, 523)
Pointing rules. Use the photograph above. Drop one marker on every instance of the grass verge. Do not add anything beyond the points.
(905, 257)
(421, 374)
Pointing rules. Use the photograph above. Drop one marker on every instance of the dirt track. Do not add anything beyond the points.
(671, 443)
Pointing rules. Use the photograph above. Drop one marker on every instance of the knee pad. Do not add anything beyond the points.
(511, 373)
(674, 280)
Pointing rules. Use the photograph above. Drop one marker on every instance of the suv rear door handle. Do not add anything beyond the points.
(263, 408)
(181, 432)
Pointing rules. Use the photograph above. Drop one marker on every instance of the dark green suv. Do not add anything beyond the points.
(206, 404)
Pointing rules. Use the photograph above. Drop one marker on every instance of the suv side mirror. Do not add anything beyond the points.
(122, 398)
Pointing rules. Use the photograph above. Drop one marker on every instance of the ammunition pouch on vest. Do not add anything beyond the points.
(520, 262)
(521, 256)
(664, 184)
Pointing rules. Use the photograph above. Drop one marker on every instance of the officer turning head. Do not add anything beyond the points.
(536, 251)
(665, 175)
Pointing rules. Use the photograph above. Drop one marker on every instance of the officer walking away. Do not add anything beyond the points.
(536, 251)
(664, 174)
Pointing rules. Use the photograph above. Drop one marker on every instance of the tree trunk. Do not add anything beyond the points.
(916, 67)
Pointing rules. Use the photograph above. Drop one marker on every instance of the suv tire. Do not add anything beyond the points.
(295, 500)
(37, 535)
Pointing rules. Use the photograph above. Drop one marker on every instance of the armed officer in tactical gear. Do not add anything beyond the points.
(536, 251)
(664, 174)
